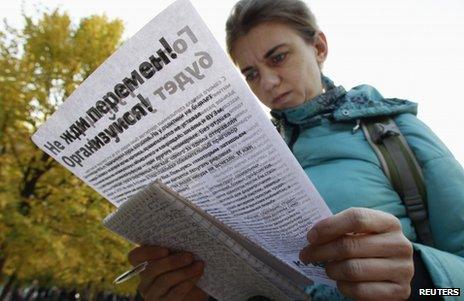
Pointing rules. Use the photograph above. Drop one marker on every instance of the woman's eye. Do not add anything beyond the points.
(251, 75)
(279, 57)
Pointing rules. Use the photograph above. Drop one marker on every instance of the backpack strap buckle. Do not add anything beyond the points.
(384, 130)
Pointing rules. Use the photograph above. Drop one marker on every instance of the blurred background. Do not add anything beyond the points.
(52, 244)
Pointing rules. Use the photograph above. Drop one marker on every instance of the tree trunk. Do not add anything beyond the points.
(2, 258)
(8, 286)
(2, 264)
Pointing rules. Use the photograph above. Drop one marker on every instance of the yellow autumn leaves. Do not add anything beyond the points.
(50, 222)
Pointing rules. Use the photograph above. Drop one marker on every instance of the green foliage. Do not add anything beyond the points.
(50, 222)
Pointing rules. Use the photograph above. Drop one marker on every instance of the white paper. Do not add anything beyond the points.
(155, 217)
(194, 125)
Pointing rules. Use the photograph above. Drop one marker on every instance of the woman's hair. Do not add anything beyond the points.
(246, 14)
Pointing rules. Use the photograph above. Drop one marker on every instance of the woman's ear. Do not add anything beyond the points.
(322, 49)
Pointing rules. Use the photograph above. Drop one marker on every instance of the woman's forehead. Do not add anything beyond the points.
(261, 38)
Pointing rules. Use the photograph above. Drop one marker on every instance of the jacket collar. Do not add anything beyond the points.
(335, 103)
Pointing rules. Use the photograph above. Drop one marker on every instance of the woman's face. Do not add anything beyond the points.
(281, 68)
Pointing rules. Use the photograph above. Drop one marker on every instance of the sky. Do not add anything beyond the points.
(409, 49)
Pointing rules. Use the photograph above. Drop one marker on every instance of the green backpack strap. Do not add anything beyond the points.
(401, 168)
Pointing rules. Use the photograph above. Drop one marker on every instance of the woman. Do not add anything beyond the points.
(280, 50)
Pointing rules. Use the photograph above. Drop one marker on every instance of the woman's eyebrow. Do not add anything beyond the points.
(269, 53)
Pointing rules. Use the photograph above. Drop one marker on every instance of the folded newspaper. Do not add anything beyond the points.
(167, 130)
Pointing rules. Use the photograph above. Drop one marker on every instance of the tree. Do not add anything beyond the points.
(50, 222)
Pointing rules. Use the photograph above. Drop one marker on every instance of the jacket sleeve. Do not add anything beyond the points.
(444, 180)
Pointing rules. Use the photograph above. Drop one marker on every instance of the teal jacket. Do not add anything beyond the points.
(323, 137)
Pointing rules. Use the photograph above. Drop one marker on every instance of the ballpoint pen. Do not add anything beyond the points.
(131, 273)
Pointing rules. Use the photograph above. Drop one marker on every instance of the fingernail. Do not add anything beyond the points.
(199, 266)
(187, 258)
(312, 236)
(304, 257)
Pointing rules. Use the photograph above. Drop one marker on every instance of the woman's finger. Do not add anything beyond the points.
(371, 269)
(146, 253)
(197, 294)
(353, 220)
(158, 267)
(163, 284)
(374, 291)
(358, 246)
(182, 291)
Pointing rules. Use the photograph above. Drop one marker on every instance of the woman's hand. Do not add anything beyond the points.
(168, 276)
(365, 252)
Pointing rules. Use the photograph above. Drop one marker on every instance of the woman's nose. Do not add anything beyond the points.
(270, 79)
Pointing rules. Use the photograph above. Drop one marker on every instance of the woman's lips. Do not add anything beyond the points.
(281, 98)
